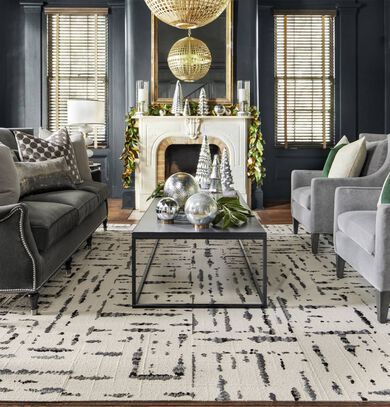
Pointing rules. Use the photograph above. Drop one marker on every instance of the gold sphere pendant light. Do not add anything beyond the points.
(187, 14)
(189, 59)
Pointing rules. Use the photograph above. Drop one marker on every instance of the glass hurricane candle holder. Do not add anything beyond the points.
(243, 96)
(142, 89)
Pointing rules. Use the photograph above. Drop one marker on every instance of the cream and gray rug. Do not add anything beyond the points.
(318, 340)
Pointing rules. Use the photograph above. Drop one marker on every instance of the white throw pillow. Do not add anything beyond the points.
(350, 160)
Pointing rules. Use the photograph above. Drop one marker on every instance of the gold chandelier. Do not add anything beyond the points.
(187, 14)
(189, 59)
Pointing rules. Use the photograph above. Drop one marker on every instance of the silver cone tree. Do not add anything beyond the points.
(215, 177)
(226, 172)
(203, 107)
(187, 109)
(177, 103)
(203, 169)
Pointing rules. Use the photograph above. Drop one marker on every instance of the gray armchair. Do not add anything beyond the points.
(362, 238)
(312, 195)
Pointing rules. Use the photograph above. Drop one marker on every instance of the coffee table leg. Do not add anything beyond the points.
(134, 271)
(265, 273)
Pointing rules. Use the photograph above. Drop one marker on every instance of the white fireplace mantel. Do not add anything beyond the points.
(232, 131)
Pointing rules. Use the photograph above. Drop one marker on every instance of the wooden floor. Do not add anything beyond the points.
(271, 215)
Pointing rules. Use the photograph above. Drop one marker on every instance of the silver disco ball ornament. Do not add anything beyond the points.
(201, 209)
(167, 209)
(180, 187)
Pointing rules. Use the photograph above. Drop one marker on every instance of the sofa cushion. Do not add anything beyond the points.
(50, 222)
(83, 201)
(302, 196)
(98, 188)
(9, 182)
(359, 226)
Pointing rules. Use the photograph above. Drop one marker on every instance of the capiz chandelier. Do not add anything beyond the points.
(189, 59)
(187, 14)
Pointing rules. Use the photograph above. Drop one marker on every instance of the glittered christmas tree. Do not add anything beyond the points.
(203, 107)
(177, 103)
(215, 177)
(203, 170)
(226, 172)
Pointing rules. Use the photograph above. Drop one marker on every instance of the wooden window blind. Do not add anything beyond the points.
(304, 78)
(76, 62)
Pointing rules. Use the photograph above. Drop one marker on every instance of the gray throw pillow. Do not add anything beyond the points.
(80, 151)
(43, 176)
(9, 182)
(33, 149)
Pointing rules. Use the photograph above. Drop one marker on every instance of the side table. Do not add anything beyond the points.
(96, 171)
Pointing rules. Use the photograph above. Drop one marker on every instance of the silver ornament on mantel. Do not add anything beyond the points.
(203, 169)
(180, 187)
(203, 107)
(187, 109)
(215, 177)
(201, 209)
(226, 172)
(167, 209)
(177, 103)
(219, 110)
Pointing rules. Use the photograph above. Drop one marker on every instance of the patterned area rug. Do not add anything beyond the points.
(318, 340)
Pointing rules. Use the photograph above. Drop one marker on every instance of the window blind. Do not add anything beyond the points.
(76, 62)
(304, 78)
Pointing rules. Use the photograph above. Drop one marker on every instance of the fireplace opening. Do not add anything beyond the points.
(184, 157)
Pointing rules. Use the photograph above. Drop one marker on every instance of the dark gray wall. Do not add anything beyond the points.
(364, 54)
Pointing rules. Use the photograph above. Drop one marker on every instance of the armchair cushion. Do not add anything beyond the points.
(376, 156)
(50, 222)
(349, 160)
(9, 182)
(302, 196)
(359, 226)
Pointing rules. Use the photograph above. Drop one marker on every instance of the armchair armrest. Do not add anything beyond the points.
(323, 196)
(382, 247)
(302, 178)
(19, 257)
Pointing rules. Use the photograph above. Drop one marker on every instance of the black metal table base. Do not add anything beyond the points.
(137, 291)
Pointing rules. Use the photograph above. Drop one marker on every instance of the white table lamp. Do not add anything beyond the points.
(84, 112)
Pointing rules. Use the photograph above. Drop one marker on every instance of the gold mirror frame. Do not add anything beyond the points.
(229, 60)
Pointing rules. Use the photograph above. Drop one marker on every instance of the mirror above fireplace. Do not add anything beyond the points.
(218, 82)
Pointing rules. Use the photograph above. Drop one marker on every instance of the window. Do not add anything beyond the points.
(304, 78)
(76, 62)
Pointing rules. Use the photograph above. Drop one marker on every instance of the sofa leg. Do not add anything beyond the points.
(34, 302)
(382, 306)
(295, 226)
(89, 243)
(315, 237)
(340, 264)
(105, 224)
(68, 266)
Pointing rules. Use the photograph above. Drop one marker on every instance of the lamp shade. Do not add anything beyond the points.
(83, 111)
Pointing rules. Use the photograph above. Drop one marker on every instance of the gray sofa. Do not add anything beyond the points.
(312, 195)
(362, 238)
(42, 231)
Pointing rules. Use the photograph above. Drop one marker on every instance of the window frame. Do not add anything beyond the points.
(324, 144)
(90, 11)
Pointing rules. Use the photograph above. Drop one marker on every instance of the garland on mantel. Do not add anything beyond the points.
(256, 169)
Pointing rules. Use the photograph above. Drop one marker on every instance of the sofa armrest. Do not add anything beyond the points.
(20, 261)
(302, 178)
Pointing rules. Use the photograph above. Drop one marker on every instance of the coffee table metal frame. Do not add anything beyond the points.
(150, 229)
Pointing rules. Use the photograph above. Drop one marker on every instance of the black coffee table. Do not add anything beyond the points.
(149, 228)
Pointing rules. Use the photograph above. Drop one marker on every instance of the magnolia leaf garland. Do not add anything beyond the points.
(256, 169)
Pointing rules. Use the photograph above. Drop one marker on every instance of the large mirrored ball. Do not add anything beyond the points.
(167, 209)
(201, 209)
(180, 187)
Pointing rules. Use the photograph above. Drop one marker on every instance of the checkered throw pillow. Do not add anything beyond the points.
(33, 149)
